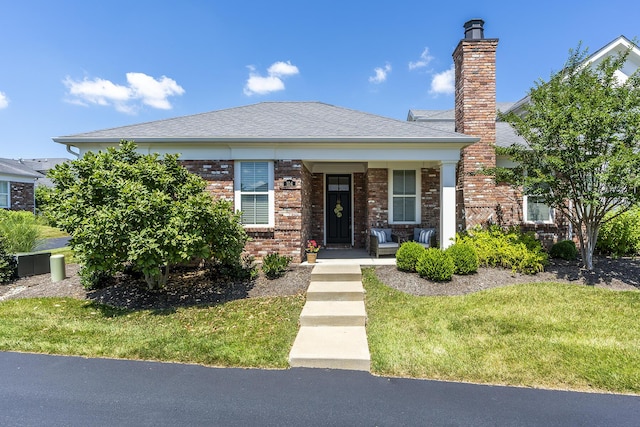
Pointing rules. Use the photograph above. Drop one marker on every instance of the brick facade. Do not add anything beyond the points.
(22, 196)
(219, 175)
(359, 212)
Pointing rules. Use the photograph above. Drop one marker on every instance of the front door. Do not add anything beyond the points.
(338, 209)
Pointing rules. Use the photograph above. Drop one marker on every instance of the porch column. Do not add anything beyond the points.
(447, 204)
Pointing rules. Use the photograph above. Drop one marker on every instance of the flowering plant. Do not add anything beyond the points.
(312, 246)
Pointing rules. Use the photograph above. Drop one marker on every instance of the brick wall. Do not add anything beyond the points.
(219, 175)
(317, 207)
(22, 196)
(359, 211)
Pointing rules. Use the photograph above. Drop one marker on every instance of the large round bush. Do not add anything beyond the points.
(436, 265)
(464, 258)
(407, 256)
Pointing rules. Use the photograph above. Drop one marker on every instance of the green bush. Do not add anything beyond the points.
(274, 265)
(511, 248)
(8, 265)
(565, 249)
(407, 256)
(464, 258)
(436, 265)
(621, 235)
(20, 229)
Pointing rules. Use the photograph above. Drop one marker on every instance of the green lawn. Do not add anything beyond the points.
(249, 333)
(537, 335)
(47, 232)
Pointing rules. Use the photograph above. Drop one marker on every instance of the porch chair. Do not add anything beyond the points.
(383, 242)
(424, 236)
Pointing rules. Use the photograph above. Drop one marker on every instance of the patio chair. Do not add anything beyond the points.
(424, 236)
(383, 242)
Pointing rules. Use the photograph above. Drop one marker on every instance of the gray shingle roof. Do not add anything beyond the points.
(14, 167)
(273, 120)
(444, 120)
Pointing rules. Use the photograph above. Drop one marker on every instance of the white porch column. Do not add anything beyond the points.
(447, 204)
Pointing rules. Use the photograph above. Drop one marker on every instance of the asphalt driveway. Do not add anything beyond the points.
(52, 390)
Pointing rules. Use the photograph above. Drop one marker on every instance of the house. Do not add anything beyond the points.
(309, 170)
(43, 165)
(17, 185)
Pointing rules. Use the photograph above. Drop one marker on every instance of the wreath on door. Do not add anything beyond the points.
(338, 209)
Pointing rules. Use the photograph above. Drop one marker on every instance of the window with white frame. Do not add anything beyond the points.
(535, 210)
(254, 193)
(404, 193)
(4, 194)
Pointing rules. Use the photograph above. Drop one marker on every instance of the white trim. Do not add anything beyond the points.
(418, 195)
(237, 193)
(525, 211)
(448, 216)
(8, 194)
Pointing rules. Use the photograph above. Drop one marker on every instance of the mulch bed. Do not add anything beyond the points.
(191, 287)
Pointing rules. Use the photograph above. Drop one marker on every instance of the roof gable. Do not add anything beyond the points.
(16, 168)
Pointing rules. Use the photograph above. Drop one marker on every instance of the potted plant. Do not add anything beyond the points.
(312, 251)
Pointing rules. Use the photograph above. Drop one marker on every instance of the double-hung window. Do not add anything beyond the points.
(4, 194)
(405, 191)
(535, 210)
(254, 193)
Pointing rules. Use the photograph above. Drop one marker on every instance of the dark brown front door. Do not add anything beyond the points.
(338, 209)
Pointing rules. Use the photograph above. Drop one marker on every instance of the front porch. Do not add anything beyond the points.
(358, 256)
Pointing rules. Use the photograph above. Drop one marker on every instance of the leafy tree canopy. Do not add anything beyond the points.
(125, 208)
(583, 133)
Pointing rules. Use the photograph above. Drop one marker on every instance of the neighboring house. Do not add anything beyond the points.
(43, 165)
(309, 170)
(17, 185)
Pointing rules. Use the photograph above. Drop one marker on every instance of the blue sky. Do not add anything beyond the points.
(75, 66)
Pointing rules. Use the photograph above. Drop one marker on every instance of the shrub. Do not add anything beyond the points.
(511, 248)
(436, 265)
(243, 269)
(8, 265)
(20, 229)
(621, 235)
(464, 258)
(407, 256)
(565, 249)
(274, 265)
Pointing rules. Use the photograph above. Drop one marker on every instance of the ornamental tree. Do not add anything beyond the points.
(123, 208)
(583, 154)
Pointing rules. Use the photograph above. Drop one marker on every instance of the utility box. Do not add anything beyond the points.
(58, 272)
(30, 264)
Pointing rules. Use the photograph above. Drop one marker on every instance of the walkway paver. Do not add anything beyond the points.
(332, 323)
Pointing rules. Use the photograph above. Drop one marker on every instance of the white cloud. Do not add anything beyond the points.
(4, 101)
(141, 87)
(380, 74)
(443, 83)
(262, 85)
(425, 59)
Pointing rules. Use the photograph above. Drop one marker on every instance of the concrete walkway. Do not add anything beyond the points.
(332, 323)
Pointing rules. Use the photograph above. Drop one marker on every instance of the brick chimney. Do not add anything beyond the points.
(475, 115)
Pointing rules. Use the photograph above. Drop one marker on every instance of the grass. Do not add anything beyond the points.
(538, 335)
(48, 232)
(248, 333)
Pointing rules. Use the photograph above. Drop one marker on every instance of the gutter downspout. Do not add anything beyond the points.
(72, 152)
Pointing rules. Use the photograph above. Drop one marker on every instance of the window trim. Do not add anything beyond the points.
(237, 191)
(7, 194)
(418, 195)
(525, 212)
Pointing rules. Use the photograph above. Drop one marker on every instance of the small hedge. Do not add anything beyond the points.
(464, 258)
(8, 265)
(511, 248)
(407, 256)
(275, 265)
(436, 265)
(565, 249)
(621, 235)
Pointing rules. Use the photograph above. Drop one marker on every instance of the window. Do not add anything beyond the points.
(405, 187)
(4, 194)
(535, 210)
(254, 193)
